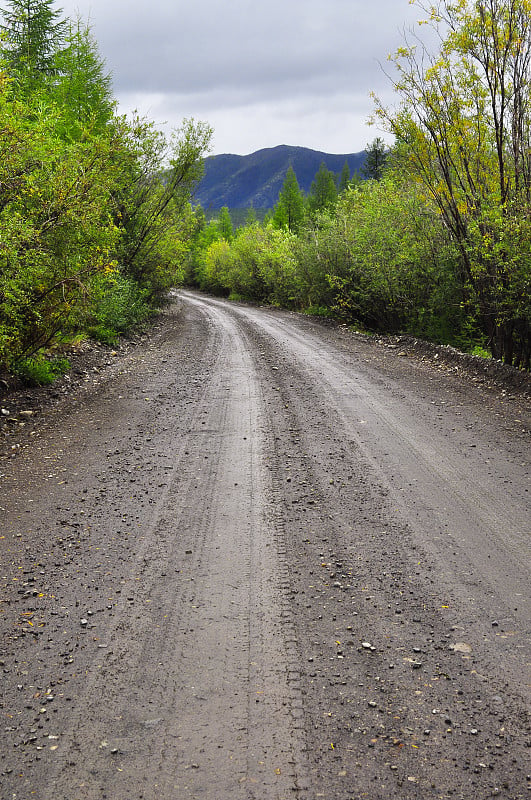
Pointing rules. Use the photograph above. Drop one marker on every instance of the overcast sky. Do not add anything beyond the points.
(295, 72)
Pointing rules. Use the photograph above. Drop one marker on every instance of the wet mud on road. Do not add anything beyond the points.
(266, 559)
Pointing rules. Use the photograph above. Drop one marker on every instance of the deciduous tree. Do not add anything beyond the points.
(323, 191)
(465, 123)
(34, 33)
(289, 211)
(55, 220)
(344, 178)
(82, 85)
(150, 201)
(224, 224)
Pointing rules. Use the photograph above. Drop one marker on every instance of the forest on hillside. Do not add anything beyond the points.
(434, 239)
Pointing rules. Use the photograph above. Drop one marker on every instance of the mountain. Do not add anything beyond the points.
(255, 180)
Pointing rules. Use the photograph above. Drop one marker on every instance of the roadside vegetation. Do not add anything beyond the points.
(95, 212)
(432, 239)
(436, 240)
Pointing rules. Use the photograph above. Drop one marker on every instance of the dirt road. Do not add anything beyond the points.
(265, 559)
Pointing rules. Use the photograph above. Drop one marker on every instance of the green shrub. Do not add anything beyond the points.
(40, 371)
(118, 304)
(104, 335)
(481, 352)
(318, 311)
(235, 297)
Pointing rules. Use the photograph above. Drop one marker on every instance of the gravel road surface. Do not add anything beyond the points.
(260, 558)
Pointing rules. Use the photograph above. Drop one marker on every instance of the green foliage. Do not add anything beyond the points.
(464, 125)
(319, 311)
(117, 305)
(54, 218)
(269, 251)
(258, 265)
(323, 191)
(380, 259)
(397, 272)
(289, 211)
(198, 271)
(321, 249)
(152, 207)
(480, 352)
(213, 273)
(96, 222)
(95, 219)
(41, 371)
(33, 34)
(251, 216)
(376, 155)
(224, 224)
(81, 85)
(344, 179)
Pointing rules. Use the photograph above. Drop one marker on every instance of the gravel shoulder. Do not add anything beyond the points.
(254, 556)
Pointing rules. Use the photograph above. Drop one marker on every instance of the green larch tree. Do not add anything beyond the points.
(344, 178)
(34, 33)
(323, 191)
(224, 224)
(82, 84)
(289, 211)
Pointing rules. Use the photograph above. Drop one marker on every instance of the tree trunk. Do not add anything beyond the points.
(508, 342)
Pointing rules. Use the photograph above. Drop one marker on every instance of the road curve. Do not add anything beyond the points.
(267, 560)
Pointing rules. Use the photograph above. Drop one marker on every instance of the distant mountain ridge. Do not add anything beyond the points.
(256, 179)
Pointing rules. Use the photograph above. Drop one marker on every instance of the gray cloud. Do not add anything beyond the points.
(258, 72)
